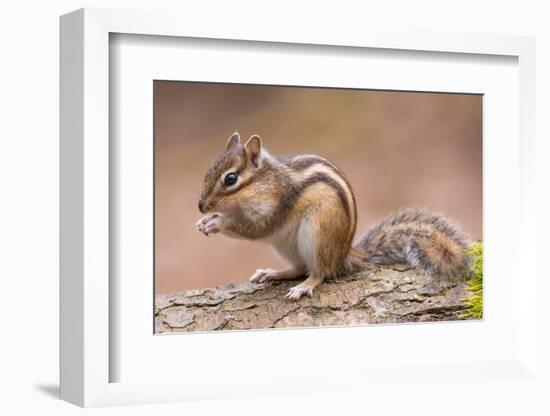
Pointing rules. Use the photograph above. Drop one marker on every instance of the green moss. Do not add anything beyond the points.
(474, 279)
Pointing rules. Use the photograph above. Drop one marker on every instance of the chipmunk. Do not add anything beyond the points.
(305, 208)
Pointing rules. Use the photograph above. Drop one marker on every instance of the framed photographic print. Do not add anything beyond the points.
(393, 149)
(299, 201)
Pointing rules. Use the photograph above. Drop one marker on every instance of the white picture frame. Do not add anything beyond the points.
(87, 356)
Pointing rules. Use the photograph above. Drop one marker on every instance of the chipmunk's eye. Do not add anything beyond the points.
(230, 179)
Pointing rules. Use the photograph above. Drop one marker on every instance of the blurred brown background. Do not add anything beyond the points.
(398, 149)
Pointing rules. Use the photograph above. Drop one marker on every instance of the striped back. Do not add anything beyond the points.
(312, 169)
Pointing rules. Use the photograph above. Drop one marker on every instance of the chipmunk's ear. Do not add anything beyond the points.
(233, 140)
(253, 149)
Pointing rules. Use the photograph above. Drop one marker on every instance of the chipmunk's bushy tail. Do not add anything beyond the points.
(424, 240)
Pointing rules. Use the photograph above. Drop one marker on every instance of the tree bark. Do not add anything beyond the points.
(385, 295)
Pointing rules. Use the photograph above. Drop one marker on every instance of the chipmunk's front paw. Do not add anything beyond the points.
(296, 292)
(210, 224)
(264, 275)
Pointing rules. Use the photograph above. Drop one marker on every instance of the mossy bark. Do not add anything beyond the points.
(387, 295)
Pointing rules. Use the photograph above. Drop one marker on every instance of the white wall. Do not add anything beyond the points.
(29, 184)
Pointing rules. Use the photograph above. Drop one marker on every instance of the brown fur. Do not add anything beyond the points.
(331, 225)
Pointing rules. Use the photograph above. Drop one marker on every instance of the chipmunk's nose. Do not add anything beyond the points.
(203, 207)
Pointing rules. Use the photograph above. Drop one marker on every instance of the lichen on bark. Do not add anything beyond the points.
(474, 278)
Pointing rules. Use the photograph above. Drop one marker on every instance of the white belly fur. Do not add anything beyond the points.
(295, 243)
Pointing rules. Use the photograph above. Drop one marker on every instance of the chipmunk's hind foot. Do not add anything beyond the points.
(296, 292)
(267, 275)
(304, 288)
(263, 275)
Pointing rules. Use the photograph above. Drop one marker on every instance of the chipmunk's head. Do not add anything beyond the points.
(231, 172)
